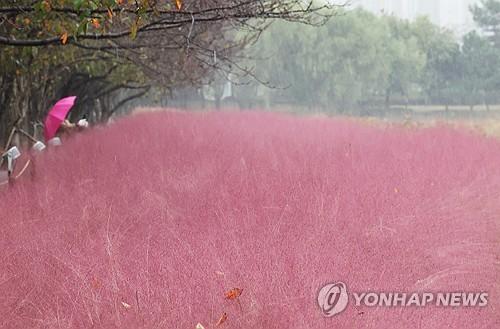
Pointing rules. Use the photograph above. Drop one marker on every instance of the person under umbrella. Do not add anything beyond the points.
(56, 122)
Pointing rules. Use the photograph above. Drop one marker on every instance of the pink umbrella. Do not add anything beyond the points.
(57, 115)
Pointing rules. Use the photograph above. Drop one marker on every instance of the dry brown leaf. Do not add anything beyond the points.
(95, 283)
(64, 38)
(233, 293)
(95, 23)
(178, 4)
(222, 319)
(46, 5)
(126, 305)
(110, 13)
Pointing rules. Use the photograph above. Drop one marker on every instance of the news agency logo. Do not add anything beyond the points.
(333, 299)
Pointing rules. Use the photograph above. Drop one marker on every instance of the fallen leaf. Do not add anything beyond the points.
(95, 283)
(178, 4)
(95, 23)
(126, 305)
(46, 5)
(222, 319)
(64, 38)
(110, 13)
(233, 293)
(199, 326)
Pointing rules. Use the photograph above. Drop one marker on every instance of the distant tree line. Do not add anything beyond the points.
(359, 61)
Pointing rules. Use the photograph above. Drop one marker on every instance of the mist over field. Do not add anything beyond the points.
(148, 222)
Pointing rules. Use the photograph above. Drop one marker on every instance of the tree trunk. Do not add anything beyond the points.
(217, 102)
(7, 115)
(203, 100)
(387, 99)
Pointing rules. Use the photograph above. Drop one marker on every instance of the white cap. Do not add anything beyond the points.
(83, 123)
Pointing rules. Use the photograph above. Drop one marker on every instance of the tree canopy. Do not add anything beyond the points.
(108, 52)
(360, 62)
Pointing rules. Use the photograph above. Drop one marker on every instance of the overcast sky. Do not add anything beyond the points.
(453, 14)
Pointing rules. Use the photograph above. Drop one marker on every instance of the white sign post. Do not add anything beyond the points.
(12, 154)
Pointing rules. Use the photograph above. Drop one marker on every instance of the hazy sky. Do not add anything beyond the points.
(453, 14)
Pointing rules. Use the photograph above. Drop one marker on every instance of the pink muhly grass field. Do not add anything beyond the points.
(148, 222)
